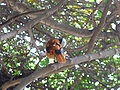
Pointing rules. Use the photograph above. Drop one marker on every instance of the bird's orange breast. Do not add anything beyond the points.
(51, 46)
(60, 58)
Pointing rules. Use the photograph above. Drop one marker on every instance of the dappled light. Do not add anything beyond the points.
(91, 56)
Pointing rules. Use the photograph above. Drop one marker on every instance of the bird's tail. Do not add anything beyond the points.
(60, 58)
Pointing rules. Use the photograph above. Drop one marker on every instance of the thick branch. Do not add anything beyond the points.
(56, 66)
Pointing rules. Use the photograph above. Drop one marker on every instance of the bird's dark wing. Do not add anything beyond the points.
(48, 48)
(61, 51)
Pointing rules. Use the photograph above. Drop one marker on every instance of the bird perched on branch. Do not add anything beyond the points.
(54, 48)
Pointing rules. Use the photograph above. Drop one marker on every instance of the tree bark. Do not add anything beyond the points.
(42, 72)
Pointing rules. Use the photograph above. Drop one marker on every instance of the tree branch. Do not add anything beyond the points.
(18, 16)
(78, 49)
(10, 83)
(99, 27)
(42, 72)
(33, 22)
(17, 6)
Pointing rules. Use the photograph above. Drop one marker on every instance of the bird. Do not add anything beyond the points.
(55, 49)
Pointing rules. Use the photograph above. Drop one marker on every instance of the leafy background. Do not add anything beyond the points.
(19, 56)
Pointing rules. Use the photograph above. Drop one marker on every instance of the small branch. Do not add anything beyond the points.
(33, 41)
(47, 33)
(49, 12)
(99, 27)
(77, 49)
(18, 16)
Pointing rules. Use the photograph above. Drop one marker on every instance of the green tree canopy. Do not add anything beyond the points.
(92, 31)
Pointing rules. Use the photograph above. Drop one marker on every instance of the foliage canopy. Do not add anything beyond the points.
(88, 26)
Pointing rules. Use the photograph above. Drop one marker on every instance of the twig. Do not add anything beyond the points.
(48, 34)
(33, 40)
(77, 49)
